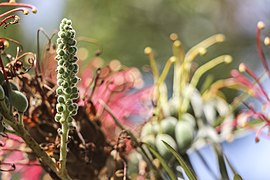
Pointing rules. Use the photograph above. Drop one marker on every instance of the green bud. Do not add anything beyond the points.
(59, 90)
(69, 119)
(71, 42)
(68, 90)
(61, 99)
(61, 70)
(61, 52)
(74, 90)
(75, 96)
(162, 149)
(69, 22)
(73, 113)
(65, 84)
(70, 107)
(57, 117)
(64, 21)
(18, 100)
(59, 41)
(60, 107)
(75, 68)
(184, 134)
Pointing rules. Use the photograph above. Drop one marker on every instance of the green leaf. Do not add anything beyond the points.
(190, 174)
(162, 161)
(221, 162)
(236, 175)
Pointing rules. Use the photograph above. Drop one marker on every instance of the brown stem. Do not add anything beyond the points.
(23, 133)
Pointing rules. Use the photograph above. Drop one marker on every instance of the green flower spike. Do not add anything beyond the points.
(67, 90)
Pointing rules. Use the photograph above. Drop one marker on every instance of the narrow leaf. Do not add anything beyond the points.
(221, 162)
(162, 161)
(236, 175)
(190, 174)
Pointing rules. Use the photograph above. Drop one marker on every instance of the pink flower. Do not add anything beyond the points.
(14, 153)
(254, 87)
(113, 86)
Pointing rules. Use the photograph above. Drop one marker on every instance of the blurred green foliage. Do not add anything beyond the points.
(124, 28)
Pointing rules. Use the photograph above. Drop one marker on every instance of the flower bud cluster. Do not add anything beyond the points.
(67, 69)
(11, 96)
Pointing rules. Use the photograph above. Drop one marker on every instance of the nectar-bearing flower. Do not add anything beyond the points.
(254, 87)
(67, 79)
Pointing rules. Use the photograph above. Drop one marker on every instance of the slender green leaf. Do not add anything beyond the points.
(162, 161)
(190, 174)
(236, 175)
(221, 162)
(211, 171)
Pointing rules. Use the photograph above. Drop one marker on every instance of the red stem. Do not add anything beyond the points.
(18, 5)
(260, 51)
(12, 11)
(257, 80)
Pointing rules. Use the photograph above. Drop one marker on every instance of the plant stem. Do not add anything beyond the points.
(23, 133)
(63, 147)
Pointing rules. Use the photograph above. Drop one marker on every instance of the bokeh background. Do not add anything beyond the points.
(125, 28)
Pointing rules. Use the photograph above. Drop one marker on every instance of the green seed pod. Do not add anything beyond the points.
(59, 90)
(61, 99)
(60, 107)
(71, 42)
(189, 118)
(184, 134)
(73, 113)
(162, 149)
(173, 107)
(150, 128)
(70, 119)
(69, 22)
(150, 139)
(18, 100)
(168, 125)
(57, 117)
(61, 52)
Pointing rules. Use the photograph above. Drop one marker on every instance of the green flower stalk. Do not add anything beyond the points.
(67, 90)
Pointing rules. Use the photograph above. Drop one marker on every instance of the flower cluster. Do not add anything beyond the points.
(188, 117)
(67, 90)
(67, 69)
(253, 86)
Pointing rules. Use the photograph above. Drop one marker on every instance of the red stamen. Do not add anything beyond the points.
(259, 48)
(259, 132)
(257, 80)
(260, 115)
(34, 9)
(25, 11)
